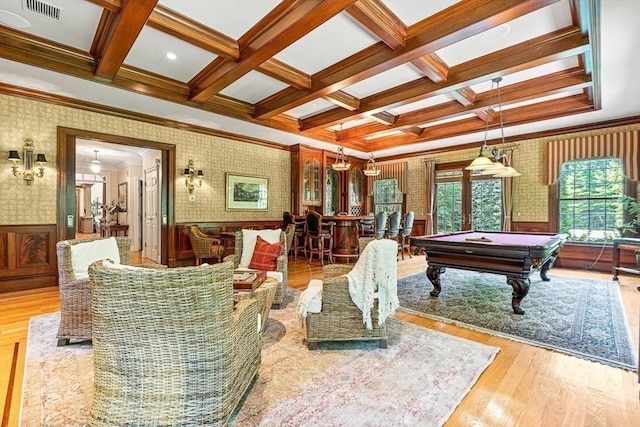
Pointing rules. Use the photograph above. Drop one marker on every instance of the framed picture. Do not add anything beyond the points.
(122, 196)
(248, 193)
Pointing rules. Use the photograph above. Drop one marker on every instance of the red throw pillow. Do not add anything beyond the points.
(265, 254)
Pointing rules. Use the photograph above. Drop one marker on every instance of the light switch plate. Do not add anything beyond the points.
(192, 197)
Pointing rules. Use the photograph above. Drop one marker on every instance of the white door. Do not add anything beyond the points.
(151, 235)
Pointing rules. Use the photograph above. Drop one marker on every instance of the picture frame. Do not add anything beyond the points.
(122, 196)
(247, 193)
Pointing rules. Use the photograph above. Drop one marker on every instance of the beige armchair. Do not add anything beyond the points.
(281, 264)
(75, 292)
(169, 345)
(340, 318)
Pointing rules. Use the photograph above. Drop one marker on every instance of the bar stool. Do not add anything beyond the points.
(394, 226)
(366, 227)
(319, 237)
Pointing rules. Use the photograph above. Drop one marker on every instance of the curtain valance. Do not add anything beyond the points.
(623, 145)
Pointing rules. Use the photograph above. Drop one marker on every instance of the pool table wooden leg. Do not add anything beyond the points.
(520, 290)
(546, 266)
(433, 274)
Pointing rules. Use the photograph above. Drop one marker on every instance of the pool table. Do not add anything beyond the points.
(515, 255)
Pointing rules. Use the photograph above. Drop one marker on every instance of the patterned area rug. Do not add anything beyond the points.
(577, 316)
(413, 382)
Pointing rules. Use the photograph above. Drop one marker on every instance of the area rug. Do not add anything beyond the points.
(415, 381)
(578, 316)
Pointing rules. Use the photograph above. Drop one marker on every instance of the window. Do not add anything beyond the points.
(589, 199)
(465, 201)
(387, 196)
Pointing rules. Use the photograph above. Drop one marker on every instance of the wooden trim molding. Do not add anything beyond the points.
(27, 257)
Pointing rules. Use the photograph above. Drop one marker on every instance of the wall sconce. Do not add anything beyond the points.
(192, 178)
(28, 173)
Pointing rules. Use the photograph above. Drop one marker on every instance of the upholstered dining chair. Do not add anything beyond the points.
(405, 234)
(381, 225)
(394, 225)
(205, 246)
(367, 227)
(243, 253)
(339, 318)
(319, 237)
(74, 257)
(170, 347)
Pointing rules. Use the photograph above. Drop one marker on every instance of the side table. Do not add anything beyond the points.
(624, 243)
(264, 294)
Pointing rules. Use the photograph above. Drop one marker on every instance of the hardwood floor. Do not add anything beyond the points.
(524, 386)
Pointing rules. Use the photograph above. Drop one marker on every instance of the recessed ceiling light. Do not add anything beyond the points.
(10, 19)
(172, 56)
(495, 33)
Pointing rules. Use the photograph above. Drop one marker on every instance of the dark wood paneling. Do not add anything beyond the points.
(530, 227)
(592, 257)
(184, 254)
(27, 257)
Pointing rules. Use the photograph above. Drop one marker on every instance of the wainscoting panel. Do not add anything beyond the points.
(27, 257)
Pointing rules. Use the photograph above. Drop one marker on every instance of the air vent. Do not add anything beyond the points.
(42, 8)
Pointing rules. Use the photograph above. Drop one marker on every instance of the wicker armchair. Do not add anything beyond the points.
(205, 246)
(281, 261)
(75, 293)
(169, 346)
(340, 319)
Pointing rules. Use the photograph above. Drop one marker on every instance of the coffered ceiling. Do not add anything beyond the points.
(399, 76)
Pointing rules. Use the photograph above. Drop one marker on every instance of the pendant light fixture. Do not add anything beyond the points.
(372, 169)
(490, 162)
(95, 164)
(341, 163)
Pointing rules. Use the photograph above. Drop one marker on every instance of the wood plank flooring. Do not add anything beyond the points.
(525, 385)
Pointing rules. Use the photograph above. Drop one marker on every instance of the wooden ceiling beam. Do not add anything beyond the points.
(344, 100)
(465, 96)
(575, 104)
(385, 118)
(548, 48)
(190, 31)
(554, 83)
(432, 66)
(296, 19)
(120, 35)
(286, 74)
(381, 21)
(453, 24)
(415, 131)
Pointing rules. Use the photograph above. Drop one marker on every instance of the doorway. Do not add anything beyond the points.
(67, 218)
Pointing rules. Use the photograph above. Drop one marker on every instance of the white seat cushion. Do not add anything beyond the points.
(249, 242)
(83, 254)
(276, 275)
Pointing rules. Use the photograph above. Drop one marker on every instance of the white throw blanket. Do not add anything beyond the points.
(310, 300)
(376, 270)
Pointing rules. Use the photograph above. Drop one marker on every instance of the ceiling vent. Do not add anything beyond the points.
(42, 8)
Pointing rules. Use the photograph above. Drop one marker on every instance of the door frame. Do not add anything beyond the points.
(66, 165)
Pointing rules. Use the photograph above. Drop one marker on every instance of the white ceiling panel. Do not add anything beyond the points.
(326, 45)
(394, 77)
(314, 107)
(253, 87)
(76, 27)
(149, 52)
(412, 11)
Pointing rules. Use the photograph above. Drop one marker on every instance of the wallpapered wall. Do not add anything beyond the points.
(36, 204)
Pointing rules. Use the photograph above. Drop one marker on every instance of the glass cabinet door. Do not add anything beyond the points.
(306, 183)
(316, 179)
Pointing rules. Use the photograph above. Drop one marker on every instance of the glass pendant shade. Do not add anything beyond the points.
(95, 164)
(341, 163)
(508, 172)
(480, 163)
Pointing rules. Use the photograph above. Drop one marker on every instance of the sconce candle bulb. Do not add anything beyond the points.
(28, 173)
(193, 178)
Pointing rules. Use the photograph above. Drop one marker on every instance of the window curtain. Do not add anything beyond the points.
(391, 170)
(507, 196)
(430, 188)
(623, 145)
